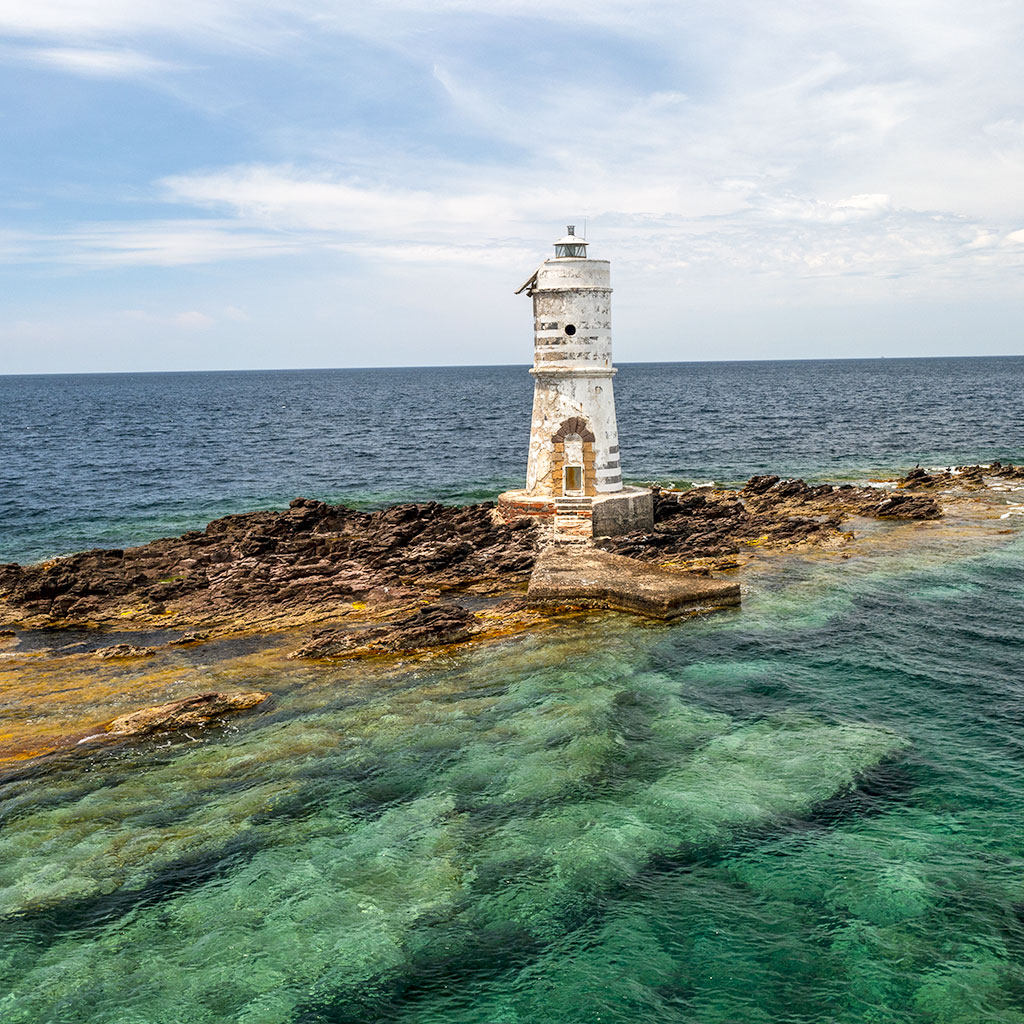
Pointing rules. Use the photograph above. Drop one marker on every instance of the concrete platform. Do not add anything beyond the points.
(590, 578)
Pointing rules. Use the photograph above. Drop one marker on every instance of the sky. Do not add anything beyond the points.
(214, 184)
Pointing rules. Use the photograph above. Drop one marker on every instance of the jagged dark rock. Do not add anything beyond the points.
(765, 495)
(708, 524)
(906, 506)
(259, 566)
(959, 478)
(314, 562)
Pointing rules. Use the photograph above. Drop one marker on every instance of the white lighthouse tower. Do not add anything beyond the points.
(573, 472)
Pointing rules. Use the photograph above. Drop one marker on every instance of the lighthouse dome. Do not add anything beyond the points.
(570, 247)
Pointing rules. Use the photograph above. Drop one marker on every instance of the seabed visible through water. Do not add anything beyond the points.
(806, 810)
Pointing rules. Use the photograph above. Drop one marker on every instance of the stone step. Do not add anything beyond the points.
(573, 526)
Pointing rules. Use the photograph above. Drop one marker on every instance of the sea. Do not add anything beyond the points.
(809, 809)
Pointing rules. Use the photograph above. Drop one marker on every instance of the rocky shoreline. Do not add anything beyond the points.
(315, 562)
(416, 577)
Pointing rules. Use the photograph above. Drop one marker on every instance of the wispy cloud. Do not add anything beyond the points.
(190, 319)
(266, 212)
(97, 63)
(166, 243)
(723, 147)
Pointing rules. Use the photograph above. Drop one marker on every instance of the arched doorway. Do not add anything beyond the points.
(572, 464)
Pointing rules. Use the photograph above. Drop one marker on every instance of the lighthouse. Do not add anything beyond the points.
(573, 472)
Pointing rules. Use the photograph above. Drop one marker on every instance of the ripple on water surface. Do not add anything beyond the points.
(781, 818)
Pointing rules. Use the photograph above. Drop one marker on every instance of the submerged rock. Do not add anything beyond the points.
(435, 626)
(192, 637)
(199, 710)
(124, 651)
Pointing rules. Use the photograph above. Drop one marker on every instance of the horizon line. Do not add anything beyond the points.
(497, 366)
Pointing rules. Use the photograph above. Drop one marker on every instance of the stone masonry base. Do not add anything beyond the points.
(600, 515)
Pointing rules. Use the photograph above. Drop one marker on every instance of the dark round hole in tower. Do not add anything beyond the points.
(570, 329)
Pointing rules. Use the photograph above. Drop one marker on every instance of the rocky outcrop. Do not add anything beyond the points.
(197, 711)
(709, 524)
(774, 496)
(263, 567)
(768, 495)
(959, 478)
(315, 562)
(905, 506)
(436, 626)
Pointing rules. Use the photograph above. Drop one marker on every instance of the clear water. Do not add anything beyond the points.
(805, 810)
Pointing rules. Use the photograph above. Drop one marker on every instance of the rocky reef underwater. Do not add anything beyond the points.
(432, 802)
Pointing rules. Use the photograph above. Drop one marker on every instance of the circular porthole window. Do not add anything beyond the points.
(570, 329)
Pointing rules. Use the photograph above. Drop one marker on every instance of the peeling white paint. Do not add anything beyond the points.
(572, 368)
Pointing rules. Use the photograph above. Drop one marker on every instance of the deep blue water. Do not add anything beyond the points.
(115, 459)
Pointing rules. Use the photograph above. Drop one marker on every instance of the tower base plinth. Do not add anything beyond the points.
(601, 515)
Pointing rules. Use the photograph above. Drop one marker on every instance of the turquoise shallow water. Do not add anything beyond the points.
(806, 810)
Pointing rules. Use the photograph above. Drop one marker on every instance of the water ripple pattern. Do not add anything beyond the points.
(757, 817)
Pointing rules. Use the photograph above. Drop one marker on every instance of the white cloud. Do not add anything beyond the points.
(98, 63)
(859, 144)
(165, 243)
(190, 319)
(104, 19)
